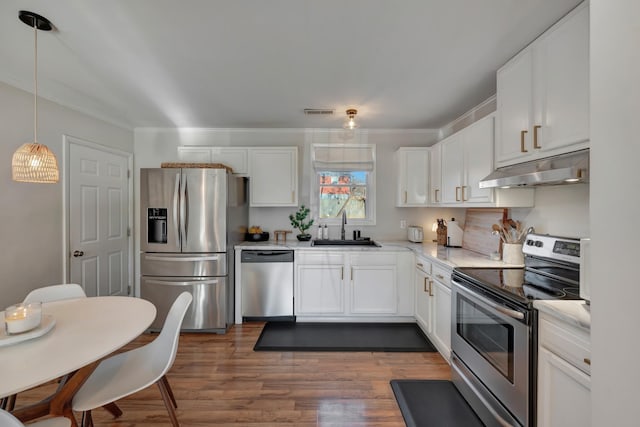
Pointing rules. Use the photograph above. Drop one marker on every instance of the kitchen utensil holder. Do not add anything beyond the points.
(512, 253)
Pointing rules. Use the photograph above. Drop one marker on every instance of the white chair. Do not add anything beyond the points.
(8, 420)
(55, 293)
(129, 372)
(46, 294)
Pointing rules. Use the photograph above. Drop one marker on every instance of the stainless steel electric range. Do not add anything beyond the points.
(494, 327)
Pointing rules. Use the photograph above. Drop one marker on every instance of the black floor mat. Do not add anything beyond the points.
(290, 336)
(433, 403)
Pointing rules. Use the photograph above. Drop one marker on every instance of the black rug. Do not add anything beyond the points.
(433, 403)
(290, 336)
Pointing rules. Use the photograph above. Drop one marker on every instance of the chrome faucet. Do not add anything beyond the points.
(344, 221)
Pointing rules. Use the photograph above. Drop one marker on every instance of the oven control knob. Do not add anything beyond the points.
(539, 244)
(529, 242)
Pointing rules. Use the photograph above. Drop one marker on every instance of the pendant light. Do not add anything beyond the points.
(350, 123)
(34, 162)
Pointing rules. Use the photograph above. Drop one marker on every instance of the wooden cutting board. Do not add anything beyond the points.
(477, 235)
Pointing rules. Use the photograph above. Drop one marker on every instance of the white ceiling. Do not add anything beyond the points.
(404, 64)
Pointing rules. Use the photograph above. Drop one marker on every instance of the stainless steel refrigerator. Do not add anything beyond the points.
(190, 221)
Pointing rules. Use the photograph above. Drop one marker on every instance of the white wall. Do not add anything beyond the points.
(615, 209)
(32, 214)
(559, 210)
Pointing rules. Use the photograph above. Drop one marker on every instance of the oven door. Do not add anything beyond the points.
(493, 341)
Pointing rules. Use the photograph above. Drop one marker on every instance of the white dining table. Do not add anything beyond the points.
(86, 330)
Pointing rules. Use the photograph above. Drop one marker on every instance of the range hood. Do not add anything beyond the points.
(569, 168)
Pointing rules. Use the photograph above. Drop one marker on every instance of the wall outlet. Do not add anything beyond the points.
(403, 223)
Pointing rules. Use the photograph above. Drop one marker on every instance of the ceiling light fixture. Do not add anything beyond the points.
(350, 123)
(34, 162)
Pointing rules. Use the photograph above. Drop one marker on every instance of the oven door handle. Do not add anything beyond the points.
(514, 314)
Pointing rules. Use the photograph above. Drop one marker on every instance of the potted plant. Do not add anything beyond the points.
(298, 221)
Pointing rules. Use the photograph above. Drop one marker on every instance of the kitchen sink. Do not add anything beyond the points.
(330, 242)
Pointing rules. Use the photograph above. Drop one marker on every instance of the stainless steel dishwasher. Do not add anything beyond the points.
(267, 284)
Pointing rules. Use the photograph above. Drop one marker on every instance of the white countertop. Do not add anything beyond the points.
(575, 312)
(452, 257)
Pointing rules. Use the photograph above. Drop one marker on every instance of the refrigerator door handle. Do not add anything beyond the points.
(176, 214)
(182, 283)
(181, 259)
(185, 215)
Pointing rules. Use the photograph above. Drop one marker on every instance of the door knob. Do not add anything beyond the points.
(78, 253)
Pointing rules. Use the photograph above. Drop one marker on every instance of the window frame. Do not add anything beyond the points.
(370, 211)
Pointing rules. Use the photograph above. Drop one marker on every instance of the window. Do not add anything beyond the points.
(344, 177)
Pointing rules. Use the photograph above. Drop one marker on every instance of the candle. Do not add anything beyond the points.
(22, 317)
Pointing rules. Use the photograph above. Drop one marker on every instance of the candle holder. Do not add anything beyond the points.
(21, 317)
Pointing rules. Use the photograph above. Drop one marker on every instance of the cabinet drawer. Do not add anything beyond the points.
(568, 342)
(319, 258)
(423, 264)
(442, 275)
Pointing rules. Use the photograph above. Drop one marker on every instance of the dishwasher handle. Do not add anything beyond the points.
(266, 256)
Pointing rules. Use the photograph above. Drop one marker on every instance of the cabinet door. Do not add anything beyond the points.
(194, 154)
(562, 84)
(441, 325)
(435, 174)
(423, 301)
(236, 158)
(564, 393)
(374, 289)
(274, 176)
(452, 158)
(478, 160)
(319, 290)
(413, 176)
(514, 106)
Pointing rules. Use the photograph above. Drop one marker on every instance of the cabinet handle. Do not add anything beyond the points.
(430, 288)
(522, 134)
(535, 136)
(405, 197)
(425, 285)
(457, 197)
(342, 273)
(440, 276)
(293, 196)
(436, 195)
(351, 278)
(419, 264)
(463, 187)
(587, 361)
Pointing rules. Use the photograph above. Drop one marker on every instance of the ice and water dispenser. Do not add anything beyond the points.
(157, 225)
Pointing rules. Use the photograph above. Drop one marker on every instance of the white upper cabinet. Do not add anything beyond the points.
(467, 157)
(543, 94)
(236, 158)
(413, 176)
(435, 174)
(274, 176)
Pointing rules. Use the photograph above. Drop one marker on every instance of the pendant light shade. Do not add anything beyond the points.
(34, 162)
(350, 123)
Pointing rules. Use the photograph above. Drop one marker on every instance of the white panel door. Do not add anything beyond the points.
(452, 168)
(441, 323)
(98, 221)
(478, 160)
(274, 176)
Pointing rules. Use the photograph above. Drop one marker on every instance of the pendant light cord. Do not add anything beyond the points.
(35, 83)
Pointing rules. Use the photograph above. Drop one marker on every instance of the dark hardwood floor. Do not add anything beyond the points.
(218, 380)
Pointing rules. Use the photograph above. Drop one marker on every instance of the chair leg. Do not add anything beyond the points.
(11, 402)
(165, 380)
(87, 419)
(113, 409)
(167, 403)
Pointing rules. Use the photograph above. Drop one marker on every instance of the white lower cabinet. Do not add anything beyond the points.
(564, 381)
(433, 303)
(349, 285)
